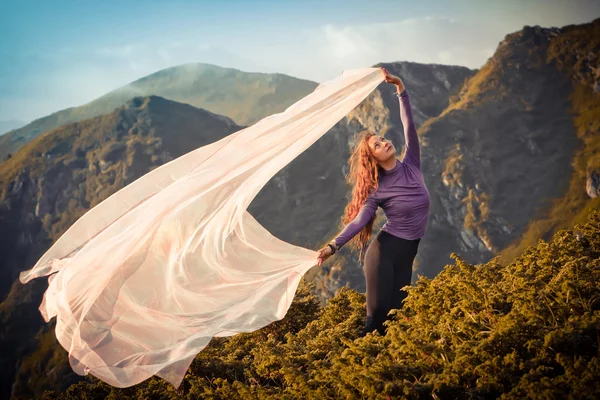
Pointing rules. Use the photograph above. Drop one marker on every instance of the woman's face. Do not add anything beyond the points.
(381, 148)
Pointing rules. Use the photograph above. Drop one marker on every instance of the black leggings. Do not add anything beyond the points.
(387, 268)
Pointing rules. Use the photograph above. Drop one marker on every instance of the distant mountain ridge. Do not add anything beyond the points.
(9, 125)
(245, 97)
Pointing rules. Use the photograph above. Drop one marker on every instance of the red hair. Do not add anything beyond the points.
(364, 178)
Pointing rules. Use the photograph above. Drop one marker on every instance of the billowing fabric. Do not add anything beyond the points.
(142, 282)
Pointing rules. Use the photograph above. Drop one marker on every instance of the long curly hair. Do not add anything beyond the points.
(364, 179)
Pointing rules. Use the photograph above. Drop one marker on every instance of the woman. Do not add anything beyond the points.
(379, 179)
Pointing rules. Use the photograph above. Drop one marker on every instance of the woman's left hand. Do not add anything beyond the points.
(389, 78)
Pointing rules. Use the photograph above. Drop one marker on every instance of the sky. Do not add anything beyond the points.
(58, 54)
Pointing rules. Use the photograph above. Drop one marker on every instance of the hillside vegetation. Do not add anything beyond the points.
(527, 330)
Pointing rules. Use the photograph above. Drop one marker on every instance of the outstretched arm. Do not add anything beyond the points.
(367, 212)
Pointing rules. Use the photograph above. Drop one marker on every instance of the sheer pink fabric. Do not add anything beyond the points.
(142, 282)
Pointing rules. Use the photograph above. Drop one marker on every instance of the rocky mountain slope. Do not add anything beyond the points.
(575, 51)
(511, 158)
(56, 178)
(245, 97)
(510, 150)
(6, 126)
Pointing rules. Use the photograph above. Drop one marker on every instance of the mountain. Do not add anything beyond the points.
(510, 155)
(56, 178)
(506, 161)
(575, 52)
(246, 97)
(6, 126)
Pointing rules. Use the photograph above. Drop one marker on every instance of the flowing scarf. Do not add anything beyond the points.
(142, 282)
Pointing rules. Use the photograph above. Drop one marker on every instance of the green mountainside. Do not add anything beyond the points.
(245, 97)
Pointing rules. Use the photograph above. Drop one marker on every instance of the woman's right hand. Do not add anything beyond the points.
(324, 254)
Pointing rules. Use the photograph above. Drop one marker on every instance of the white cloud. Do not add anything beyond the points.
(343, 43)
(430, 39)
(119, 51)
(164, 55)
(445, 57)
(437, 18)
(177, 43)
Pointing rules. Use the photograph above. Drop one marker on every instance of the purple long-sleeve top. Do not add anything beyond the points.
(401, 193)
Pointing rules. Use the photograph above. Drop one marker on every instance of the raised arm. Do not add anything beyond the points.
(412, 153)
(366, 213)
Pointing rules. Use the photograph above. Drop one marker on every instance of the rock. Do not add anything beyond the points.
(487, 243)
(468, 239)
(24, 238)
(532, 147)
(592, 186)
(104, 165)
(15, 186)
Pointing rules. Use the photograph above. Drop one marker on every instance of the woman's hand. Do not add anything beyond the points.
(392, 79)
(324, 254)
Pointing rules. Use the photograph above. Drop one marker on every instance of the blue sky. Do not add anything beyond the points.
(59, 54)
